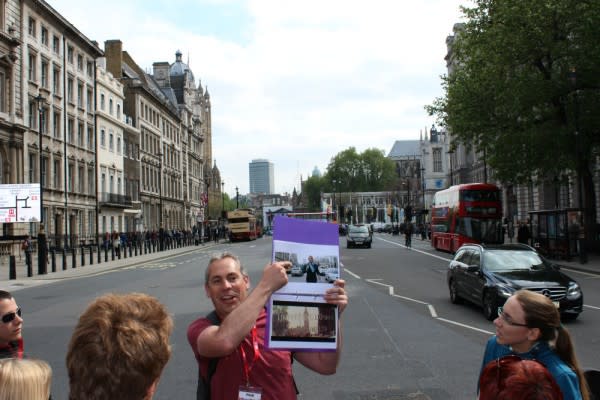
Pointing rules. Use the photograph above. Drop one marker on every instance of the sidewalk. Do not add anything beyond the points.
(592, 265)
(23, 281)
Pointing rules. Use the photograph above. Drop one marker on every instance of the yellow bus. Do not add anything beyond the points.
(242, 224)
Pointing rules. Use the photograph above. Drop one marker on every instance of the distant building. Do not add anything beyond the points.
(316, 172)
(262, 178)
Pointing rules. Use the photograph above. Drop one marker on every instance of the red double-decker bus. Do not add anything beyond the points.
(470, 213)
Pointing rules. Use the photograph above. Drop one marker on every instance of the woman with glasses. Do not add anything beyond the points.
(24, 379)
(11, 324)
(528, 325)
(512, 378)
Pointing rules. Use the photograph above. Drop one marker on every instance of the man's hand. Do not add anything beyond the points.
(275, 275)
(337, 295)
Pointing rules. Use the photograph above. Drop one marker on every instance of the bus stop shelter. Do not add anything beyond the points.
(557, 233)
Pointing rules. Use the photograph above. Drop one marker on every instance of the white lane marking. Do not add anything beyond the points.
(432, 311)
(592, 307)
(417, 250)
(351, 273)
(596, 276)
(466, 326)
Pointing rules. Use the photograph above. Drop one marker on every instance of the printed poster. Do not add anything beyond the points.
(298, 316)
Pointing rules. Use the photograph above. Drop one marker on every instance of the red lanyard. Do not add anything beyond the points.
(248, 367)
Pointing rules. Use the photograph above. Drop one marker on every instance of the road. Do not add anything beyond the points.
(402, 337)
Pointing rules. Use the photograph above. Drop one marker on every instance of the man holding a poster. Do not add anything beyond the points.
(246, 368)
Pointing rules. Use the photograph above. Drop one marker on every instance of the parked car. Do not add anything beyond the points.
(359, 235)
(378, 227)
(487, 275)
(297, 270)
(332, 275)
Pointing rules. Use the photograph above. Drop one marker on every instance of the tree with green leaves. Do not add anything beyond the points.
(369, 171)
(525, 89)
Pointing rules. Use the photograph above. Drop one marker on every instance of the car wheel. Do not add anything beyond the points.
(454, 297)
(347, 245)
(490, 309)
(369, 246)
(569, 317)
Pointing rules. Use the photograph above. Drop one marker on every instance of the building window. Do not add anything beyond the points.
(91, 181)
(32, 27)
(56, 80)
(55, 44)
(32, 177)
(31, 73)
(44, 36)
(89, 99)
(45, 73)
(103, 182)
(102, 137)
(70, 85)
(3, 85)
(80, 179)
(79, 62)
(80, 95)
(90, 138)
(437, 160)
(70, 54)
(118, 111)
(70, 130)
(56, 175)
(102, 101)
(110, 142)
(110, 106)
(56, 124)
(118, 145)
(80, 134)
(90, 223)
(71, 178)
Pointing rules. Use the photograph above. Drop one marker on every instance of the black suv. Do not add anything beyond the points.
(359, 235)
(487, 275)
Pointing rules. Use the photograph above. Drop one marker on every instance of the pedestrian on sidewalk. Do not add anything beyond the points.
(11, 326)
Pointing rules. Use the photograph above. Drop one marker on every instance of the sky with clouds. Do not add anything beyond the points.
(295, 82)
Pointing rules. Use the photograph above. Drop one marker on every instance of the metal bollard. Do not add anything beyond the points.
(82, 256)
(74, 258)
(53, 254)
(28, 263)
(12, 273)
(106, 254)
(64, 258)
(130, 246)
(91, 255)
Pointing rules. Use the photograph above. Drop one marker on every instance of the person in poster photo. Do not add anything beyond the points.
(245, 365)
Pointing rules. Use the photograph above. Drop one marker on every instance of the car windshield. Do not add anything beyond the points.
(510, 260)
(359, 229)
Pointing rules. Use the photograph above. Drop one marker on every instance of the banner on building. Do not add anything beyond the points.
(20, 203)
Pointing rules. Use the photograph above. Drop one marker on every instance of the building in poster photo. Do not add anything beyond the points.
(305, 321)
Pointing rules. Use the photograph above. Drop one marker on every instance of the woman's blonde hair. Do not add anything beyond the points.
(24, 379)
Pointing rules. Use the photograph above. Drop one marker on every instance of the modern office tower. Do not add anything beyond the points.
(261, 176)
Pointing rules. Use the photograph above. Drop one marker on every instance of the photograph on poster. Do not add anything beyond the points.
(302, 323)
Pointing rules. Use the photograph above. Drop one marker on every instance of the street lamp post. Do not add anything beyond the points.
(578, 169)
(42, 249)
(160, 201)
(423, 184)
(223, 199)
(333, 211)
(237, 198)
(451, 152)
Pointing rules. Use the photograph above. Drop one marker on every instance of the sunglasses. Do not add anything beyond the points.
(10, 317)
(508, 320)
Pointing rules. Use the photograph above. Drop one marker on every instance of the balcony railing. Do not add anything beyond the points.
(115, 200)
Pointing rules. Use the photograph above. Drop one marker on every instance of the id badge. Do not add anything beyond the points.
(249, 393)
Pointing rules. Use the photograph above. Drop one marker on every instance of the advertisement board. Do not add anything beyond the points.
(20, 203)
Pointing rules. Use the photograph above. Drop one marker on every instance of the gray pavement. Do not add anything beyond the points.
(24, 281)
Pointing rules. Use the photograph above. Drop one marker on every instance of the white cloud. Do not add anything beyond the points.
(300, 81)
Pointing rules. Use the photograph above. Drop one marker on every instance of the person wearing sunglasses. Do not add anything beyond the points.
(512, 378)
(25, 379)
(11, 324)
(528, 325)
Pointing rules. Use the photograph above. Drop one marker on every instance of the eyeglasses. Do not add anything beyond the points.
(10, 317)
(508, 320)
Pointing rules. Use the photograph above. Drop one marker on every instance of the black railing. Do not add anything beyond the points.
(115, 200)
